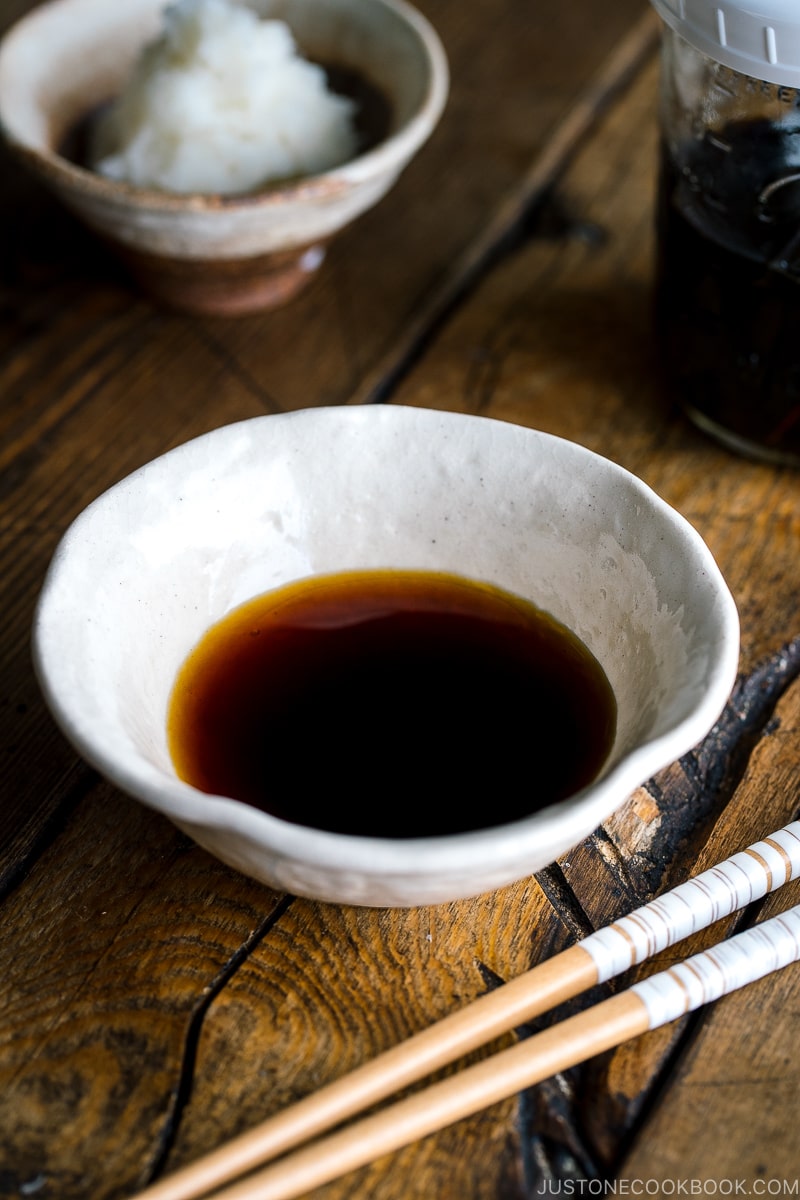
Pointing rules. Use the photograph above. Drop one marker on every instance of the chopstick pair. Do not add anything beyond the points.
(694, 905)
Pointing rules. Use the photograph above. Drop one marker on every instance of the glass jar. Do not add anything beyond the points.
(728, 272)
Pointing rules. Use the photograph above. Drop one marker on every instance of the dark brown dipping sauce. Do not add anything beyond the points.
(391, 704)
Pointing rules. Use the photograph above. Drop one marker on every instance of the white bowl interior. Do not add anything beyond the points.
(150, 565)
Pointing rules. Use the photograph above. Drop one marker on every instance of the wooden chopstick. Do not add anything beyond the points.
(716, 893)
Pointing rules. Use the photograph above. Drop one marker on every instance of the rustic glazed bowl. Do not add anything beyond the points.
(210, 253)
(151, 564)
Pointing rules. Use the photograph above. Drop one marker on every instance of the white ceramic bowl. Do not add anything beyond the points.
(152, 563)
(209, 253)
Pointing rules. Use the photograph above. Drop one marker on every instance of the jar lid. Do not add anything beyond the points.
(760, 38)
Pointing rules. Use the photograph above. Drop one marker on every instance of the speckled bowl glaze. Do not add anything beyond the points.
(209, 253)
(152, 563)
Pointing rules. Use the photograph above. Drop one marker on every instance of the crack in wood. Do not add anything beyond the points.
(21, 859)
(619, 866)
(181, 1093)
(719, 761)
(554, 1146)
(564, 901)
(691, 795)
(216, 347)
(695, 794)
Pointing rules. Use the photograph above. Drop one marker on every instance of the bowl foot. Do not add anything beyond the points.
(225, 288)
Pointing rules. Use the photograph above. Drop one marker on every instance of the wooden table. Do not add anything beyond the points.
(154, 1002)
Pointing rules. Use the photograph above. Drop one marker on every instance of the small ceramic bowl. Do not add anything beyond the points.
(163, 555)
(211, 253)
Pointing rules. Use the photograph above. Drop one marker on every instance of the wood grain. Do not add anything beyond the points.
(154, 1001)
(409, 971)
(123, 932)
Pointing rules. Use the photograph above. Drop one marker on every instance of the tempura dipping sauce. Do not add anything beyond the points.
(394, 704)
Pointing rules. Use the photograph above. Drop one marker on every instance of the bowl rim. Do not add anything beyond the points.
(572, 818)
(393, 149)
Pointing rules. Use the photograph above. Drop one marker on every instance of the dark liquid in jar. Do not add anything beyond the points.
(729, 285)
(391, 704)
